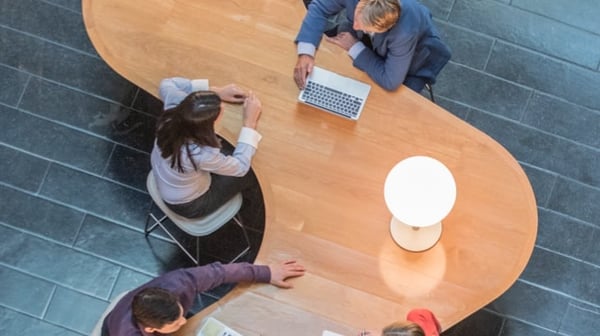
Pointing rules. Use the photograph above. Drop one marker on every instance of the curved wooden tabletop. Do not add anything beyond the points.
(322, 176)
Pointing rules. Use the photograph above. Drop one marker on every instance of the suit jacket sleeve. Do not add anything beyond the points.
(315, 21)
(389, 71)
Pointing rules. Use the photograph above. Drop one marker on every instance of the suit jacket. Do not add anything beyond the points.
(396, 53)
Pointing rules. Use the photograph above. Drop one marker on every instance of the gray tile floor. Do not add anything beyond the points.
(74, 154)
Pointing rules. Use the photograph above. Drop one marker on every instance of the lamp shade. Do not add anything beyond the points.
(420, 191)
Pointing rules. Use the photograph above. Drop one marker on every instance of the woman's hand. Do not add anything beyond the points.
(230, 93)
(252, 110)
(280, 272)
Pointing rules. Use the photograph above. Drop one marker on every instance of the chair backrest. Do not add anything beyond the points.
(202, 226)
(430, 58)
(97, 331)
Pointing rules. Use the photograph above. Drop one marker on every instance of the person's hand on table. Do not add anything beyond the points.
(282, 271)
(343, 40)
(230, 93)
(252, 110)
(304, 67)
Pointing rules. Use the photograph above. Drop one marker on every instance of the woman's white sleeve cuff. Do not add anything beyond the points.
(249, 136)
(199, 84)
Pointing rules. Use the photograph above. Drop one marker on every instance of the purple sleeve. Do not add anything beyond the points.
(187, 283)
(212, 275)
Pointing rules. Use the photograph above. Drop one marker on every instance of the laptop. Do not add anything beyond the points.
(214, 327)
(334, 93)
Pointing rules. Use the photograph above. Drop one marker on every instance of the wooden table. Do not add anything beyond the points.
(322, 176)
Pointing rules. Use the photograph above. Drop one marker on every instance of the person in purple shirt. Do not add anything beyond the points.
(160, 306)
(394, 41)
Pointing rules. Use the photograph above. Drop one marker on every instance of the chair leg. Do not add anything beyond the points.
(197, 249)
(247, 249)
(430, 89)
(146, 230)
(173, 240)
(158, 222)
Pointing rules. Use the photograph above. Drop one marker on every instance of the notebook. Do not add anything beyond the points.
(334, 93)
(214, 327)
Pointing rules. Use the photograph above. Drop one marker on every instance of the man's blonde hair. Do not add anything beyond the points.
(403, 329)
(379, 14)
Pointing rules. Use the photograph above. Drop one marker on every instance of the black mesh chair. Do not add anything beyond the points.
(433, 54)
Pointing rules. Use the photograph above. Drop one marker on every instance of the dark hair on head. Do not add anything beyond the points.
(190, 122)
(403, 329)
(154, 307)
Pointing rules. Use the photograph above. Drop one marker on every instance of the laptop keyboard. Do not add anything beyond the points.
(331, 100)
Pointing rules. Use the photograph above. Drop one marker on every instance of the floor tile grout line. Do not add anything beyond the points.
(55, 43)
(466, 29)
(570, 25)
(571, 218)
(537, 91)
(585, 308)
(563, 138)
(529, 47)
(491, 75)
(34, 235)
(77, 129)
(111, 291)
(78, 169)
(489, 56)
(135, 96)
(502, 326)
(545, 170)
(563, 100)
(52, 282)
(554, 291)
(525, 108)
(37, 318)
(69, 206)
(523, 47)
(551, 192)
(570, 257)
(549, 56)
(107, 164)
(115, 262)
(80, 130)
(24, 90)
(46, 171)
(78, 90)
(526, 322)
(450, 11)
(60, 6)
(79, 228)
(49, 302)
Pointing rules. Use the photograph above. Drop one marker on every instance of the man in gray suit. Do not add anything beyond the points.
(393, 41)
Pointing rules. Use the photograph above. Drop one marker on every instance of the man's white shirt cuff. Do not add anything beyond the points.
(305, 48)
(356, 49)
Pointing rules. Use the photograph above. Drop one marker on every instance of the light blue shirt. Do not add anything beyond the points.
(176, 187)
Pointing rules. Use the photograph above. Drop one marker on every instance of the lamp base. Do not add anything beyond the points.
(413, 238)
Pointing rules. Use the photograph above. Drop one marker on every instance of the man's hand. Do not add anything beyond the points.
(280, 272)
(230, 93)
(344, 40)
(304, 67)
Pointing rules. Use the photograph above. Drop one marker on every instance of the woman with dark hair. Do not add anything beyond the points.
(193, 176)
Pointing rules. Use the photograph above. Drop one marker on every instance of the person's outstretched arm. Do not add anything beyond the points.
(212, 275)
(310, 34)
